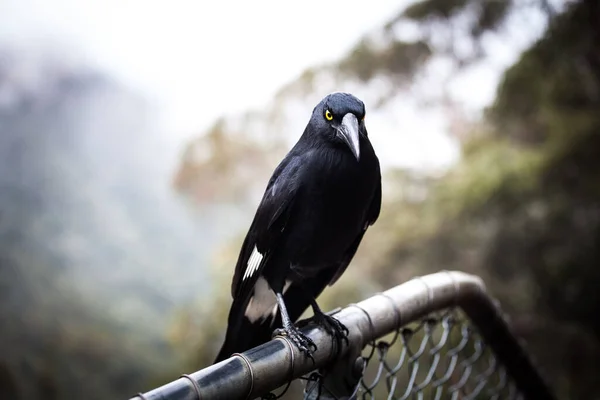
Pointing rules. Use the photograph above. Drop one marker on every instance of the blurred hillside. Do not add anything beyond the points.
(95, 248)
(519, 206)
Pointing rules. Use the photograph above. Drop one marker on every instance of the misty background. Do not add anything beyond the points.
(136, 138)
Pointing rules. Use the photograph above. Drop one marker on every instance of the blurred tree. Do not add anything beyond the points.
(224, 165)
(522, 207)
(59, 221)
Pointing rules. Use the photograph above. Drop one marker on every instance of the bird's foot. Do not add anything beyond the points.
(334, 327)
(302, 342)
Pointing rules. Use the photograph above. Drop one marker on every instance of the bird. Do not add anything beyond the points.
(316, 208)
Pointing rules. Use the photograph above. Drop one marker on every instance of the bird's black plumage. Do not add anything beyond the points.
(315, 210)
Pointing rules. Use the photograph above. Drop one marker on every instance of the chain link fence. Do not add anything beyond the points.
(440, 357)
(435, 337)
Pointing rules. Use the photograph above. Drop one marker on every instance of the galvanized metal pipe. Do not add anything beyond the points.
(275, 363)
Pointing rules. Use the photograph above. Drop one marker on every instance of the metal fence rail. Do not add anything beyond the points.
(439, 336)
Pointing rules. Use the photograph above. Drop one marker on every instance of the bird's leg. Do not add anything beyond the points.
(329, 323)
(303, 342)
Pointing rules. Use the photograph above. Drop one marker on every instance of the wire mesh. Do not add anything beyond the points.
(452, 343)
(442, 356)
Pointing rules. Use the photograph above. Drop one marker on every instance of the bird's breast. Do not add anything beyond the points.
(333, 209)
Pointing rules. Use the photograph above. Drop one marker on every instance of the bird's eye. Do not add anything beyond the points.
(328, 115)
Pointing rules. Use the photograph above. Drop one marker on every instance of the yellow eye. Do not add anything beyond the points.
(328, 115)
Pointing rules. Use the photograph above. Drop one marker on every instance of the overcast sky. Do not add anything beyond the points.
(198, 58)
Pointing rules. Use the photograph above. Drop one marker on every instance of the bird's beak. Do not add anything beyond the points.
(348, 130)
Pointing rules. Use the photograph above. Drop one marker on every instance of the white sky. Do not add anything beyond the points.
(199, 59)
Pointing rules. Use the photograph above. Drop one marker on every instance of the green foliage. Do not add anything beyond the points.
(443, 9)
(397, 59)
(219, 166)
(553, 90)
(488, 14)
(490, 167)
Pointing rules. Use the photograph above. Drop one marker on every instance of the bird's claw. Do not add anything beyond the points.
(334, 327)
(302, 342)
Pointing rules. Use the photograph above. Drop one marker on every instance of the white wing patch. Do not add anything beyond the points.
(253, 264)
(262, 302)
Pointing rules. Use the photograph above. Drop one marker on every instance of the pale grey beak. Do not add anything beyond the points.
(348, 131)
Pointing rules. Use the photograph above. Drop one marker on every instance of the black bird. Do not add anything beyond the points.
(316, 208)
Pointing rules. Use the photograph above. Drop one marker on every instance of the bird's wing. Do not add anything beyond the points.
(269, 222)
(371, 217)
(297, 295)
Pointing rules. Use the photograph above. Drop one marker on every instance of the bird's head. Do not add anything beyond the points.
(340, 118)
